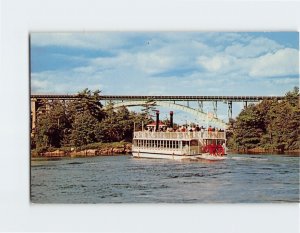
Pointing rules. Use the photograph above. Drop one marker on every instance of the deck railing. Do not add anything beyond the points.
(180, 135)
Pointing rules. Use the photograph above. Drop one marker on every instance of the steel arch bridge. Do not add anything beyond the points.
(198, 114)
(174, 102)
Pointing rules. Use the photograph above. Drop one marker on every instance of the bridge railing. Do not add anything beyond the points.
(180, 135)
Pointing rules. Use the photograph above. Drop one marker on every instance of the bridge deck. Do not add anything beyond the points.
(165, 98)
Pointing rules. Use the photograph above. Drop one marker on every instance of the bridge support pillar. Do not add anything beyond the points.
(200, 104)
(215, 107)
(229, 110)
(33, 109)
(245, 104)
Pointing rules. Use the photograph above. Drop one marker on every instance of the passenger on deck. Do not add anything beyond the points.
(209, 130)
(169, 129)
(202, 131)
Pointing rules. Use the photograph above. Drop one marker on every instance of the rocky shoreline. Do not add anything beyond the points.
(124, 150)
(114, 150)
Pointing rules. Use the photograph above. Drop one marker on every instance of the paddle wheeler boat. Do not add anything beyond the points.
(189, 145)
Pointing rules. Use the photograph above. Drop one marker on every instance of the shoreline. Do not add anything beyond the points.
(97, 149)
(122, 148)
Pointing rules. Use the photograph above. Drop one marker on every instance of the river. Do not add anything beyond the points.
(123, 179)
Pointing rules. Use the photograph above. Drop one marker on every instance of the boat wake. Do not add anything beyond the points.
(247, 158)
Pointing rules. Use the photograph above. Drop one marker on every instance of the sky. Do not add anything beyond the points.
(166, 63)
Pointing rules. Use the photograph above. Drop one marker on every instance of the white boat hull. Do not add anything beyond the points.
(210, 157)
(163, 156)
(176, 157)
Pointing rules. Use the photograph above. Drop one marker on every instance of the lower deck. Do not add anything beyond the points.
(160, 156)
(179, 147)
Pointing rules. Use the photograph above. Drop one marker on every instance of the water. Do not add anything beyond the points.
(123, 179)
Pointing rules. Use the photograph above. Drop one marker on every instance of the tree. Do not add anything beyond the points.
(148, 108)
(87, 101)
(51, 126)
(83, 129)
(284, 123)
(249, 128)
(125, 121)
(116, 126)
(85, 113)
(271, 124)
(292, 97)
(107, 129)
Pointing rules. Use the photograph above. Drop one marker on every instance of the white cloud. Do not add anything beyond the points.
(281, 63)
(79, 40)
(253, 48)
(142, 68)
(216, 63)
(38, 85)
(63, 82)
(284, 81)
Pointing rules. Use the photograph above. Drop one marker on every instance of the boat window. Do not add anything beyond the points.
(176, 144)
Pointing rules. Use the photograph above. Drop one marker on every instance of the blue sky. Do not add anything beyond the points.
(166, 63)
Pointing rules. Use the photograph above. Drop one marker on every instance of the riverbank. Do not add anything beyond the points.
(94, 149)
(119, 148)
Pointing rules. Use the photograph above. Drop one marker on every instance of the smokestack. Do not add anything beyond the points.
(171, 119)
(157, 120)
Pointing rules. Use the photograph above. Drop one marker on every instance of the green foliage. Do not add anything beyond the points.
(148, 108)
(116, 126)
(51, 126)
(270, 124)
(82, 121)
(83, 129)
(87, 101)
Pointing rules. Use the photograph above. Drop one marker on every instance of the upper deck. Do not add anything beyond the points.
(179, 135)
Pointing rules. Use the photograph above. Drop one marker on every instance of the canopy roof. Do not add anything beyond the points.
(160, 124)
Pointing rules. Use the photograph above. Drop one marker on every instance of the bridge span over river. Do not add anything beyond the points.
(179, 102)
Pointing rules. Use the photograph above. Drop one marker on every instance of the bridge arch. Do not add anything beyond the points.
(200, 115)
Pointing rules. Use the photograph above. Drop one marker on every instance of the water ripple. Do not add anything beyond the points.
(121, 179)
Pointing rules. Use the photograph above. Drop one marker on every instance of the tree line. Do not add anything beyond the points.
(272, 125)
(84, 120)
